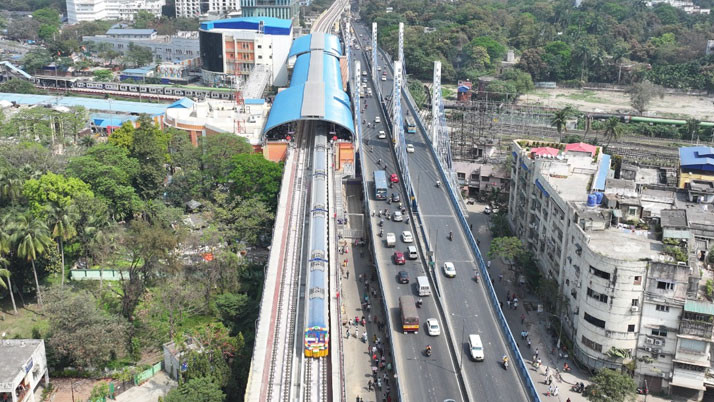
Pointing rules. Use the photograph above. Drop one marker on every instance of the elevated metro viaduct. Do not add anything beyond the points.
(317, 91)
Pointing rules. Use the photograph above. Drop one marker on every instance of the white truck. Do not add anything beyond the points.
(391, 240)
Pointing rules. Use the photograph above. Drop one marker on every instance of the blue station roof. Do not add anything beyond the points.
(290, 105)
(271, 26)
(697, 158)
(104, 120)
(314, 66)
(316, 41)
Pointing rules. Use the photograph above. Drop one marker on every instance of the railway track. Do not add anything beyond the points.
(282, 357)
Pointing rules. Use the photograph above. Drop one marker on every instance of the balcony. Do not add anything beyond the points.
(696, 328)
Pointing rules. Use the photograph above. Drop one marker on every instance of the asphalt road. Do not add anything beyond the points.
(466, 302)
(422, 378)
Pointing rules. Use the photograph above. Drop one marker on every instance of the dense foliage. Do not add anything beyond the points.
(600, 41)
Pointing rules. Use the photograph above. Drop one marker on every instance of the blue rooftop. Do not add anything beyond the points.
(330, 69)
(271, 26)
(183, 103)
(316, 41)
(697, 158)
(602, 172)
(288, 106)
(106, 105)
(104, 120)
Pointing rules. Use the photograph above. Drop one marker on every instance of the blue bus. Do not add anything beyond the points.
(380, 184)
(411, 127)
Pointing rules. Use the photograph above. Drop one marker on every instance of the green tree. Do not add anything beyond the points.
(103, 75)
(496, 50)
(30, 238)
(200, 389)
(237, 311)
(35, 59)
(61, 222)
(143, 19)
(560, 120)
(642, 93)
(80, 331)
(53, 188)
(23, 29)
(255, 176)
(692, 128)
(217, 152)
(139, 55)
(18, 86)
(613, 130)
(508, 248)
(123, 136)
(150, 147)
(610, 386)
(7, 283)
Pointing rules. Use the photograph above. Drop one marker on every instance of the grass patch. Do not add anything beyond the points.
(586, 96)
(28, 317)
(447, 92)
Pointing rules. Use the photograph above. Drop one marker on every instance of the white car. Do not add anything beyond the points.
(410, 148)
(432, 327)
(382, 135)
(397, 216)
(449, 269)
(487, 210)
(384, 78)
(407, 236)
(377, 120)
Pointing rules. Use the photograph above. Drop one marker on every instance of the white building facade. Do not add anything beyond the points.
(123, 10)
(86, 10)
(196, 8)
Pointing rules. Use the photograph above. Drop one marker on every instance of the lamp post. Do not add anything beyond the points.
(463, 330)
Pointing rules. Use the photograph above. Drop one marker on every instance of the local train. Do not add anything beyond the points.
(317, 330)
(171, 90)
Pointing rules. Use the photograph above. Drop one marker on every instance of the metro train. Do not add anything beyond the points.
(173, 90)
(317, 331)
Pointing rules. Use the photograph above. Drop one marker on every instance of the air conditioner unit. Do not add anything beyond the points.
(635, 309)
(648, 349)
(650, 341)
(658, 342)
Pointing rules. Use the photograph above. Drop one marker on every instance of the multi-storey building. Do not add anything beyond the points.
(627, 255)
(232, 48)
(125, 10)
(196, 8)
(184, 45)
(285, 9)
(86, 10)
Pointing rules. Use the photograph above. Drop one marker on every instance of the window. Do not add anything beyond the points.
(662, 307)
(638, 280)
(665, 285)
(260, 46)
(659, 332)
(635, 302)
(632, 211)
(597, 296)
(599, 273)
(594, 321)
(631, 328)
(592, 345)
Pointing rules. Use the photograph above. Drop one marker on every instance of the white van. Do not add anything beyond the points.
(391, 240)
(423, 285)
(476, 347)
(412, 253)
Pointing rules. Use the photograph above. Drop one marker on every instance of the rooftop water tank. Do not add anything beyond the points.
(592, 200)
(598, 197)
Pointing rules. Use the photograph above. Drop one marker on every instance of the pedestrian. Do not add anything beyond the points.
(386, 379)
(568, 400)
(357, 333)
(369, 385)
(523, 336)
(489, 264)
(539, 362)
(557, 391)
(501, 305)
(348, 274)
(547, 370)
(537, 353)
(509, 303)
(529, 343)
(374, 357)
(500, 277)
(471, 226)
(374, 350)
(348, 333)
(374, 338)
(550, 390)
(550, 380)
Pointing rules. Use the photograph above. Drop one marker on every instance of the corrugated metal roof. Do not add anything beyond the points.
(271, 26)
(184, 103)
(287, 107)
(602, 173)
(113, 106)
(699, 307)
(316, 41)
(698, 158)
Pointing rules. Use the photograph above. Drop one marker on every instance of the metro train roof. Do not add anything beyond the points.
(316, 41)
(316, 314)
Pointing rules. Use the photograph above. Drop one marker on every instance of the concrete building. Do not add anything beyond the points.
(24, 364)
(183, 45)
(235, 47)
(124, 10)
(284, 9)
(213, 116)
(197, 8)
(686, 5)
(634, 295)
(86, 10)
(481, 178)
(695, 163)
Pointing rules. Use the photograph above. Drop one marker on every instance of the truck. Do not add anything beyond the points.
(423, 286)
(391, 240)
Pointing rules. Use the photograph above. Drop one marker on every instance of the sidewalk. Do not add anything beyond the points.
(359, 355)
(525, 317)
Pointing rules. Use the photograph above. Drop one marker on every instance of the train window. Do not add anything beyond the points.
(133, 88)
(224, 96)
(178, 92)
(168, 91)
(123, 87)
(143, 89)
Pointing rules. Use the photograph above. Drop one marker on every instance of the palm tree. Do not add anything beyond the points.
(560, 120)
(61, 221)
(10, 185)
(613, 130)
(6, 284)
(31, 237)
(692, 127)
(5, 250)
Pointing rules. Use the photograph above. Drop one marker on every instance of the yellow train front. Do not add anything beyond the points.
(317, 342)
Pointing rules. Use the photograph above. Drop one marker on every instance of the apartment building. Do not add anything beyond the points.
(86, 10)
(629, 257)
(284, 9)
(233, 48)
(123, 10)
(196, 8)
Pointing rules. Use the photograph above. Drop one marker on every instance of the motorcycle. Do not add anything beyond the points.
(381, 232)
(428, 352)
(476, 277)
(642, 391)
(578, 387)
(419, 302)
(451, 236)
(381, 222)
(438, 183)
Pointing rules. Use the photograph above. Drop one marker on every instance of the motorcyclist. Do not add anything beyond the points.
(505, 361)
(451, 235)
(428, 350)
(438, 183)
